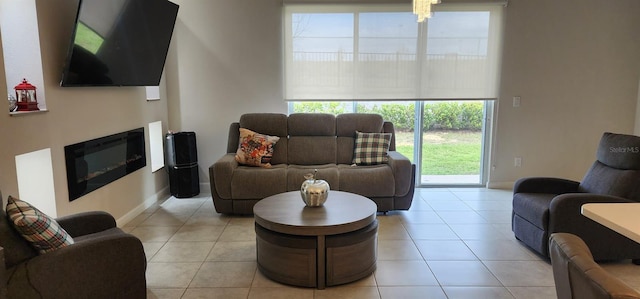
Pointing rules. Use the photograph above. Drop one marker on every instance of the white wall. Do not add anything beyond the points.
(78, 114)
(225, 60)
(576, 65)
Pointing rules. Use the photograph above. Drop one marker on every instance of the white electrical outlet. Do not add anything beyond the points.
(517, 161)
(516, 101)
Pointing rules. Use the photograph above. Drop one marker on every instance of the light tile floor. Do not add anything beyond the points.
(452, 243)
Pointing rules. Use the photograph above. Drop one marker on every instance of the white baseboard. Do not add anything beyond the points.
(500, 185)
(205, 188)
(162, 194)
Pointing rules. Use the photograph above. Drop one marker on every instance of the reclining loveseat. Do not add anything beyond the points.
(305, 142)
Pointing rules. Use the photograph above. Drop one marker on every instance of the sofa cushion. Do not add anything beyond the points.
(327, 172)
(42, 231)
(257, 182)
(619, 151)
(371, 148)
(602, 179)
(368, 181)
(274, 124)
(344, 148)
(347, 124)
(255, 149)
(312, 150)
(312, 124)
(312, 139)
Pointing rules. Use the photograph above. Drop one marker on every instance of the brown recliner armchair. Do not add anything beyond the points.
(577, 275)
(542, 206)
(104, 262)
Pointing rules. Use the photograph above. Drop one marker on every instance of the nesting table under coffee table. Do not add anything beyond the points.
(316, 246)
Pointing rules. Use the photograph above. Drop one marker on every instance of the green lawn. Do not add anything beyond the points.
(445, 152)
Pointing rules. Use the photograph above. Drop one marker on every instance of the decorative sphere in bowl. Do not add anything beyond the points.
(314, 192)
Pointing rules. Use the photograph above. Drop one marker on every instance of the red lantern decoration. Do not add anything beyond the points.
(26, 96)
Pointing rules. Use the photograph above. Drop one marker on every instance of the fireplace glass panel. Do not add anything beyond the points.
(95, 163)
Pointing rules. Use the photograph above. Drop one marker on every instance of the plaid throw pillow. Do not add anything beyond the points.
(42, 231)
(371, 148)
(255, 149)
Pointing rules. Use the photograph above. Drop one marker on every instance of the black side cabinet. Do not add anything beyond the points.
(181, 159)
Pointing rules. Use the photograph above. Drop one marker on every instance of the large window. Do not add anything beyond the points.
(435, 80)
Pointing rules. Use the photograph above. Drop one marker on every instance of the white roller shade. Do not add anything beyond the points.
(380, 52)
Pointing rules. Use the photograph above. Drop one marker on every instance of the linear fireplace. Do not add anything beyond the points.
(98, 162)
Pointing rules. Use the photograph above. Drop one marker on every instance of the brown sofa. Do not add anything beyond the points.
(311, 141)
(104, 262)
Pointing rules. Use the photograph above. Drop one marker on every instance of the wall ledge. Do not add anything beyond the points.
(20, 113)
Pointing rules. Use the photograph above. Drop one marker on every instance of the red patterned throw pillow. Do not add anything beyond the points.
(255, 149)
(42, 231)
(371, 148)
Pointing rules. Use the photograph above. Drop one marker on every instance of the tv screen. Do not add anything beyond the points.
(119, 43)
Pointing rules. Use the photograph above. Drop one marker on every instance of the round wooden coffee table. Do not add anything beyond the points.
(316, 246)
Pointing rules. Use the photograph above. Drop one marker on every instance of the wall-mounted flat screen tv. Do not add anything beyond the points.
(119, 43)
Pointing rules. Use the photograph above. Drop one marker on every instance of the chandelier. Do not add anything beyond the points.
(422, 8)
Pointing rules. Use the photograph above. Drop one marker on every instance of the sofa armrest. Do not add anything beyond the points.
(3, 276)
(402, 172)
(86, 223)
(565, 215)
(565, 210)
(545, 185)
(221, 173)
(112, 264)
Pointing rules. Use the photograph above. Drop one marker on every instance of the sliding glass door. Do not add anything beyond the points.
(453, 142)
